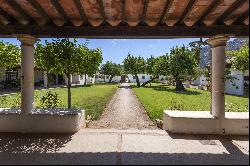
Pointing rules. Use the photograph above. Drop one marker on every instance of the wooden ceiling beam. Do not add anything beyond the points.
(102, 11)
(241, 18)
(146, 32)
(186, 12)
(165, 11)
(7, 16)
(209, 10)
(14, 5)
(230, 10)
(41, 11)
(81, 11)
(144, 11)
(61, 11)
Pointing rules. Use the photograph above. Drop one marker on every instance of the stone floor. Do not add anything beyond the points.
(110, 146)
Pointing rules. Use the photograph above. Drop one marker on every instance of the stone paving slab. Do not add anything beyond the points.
(120, 147)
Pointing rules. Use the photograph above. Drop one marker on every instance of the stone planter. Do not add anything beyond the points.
(42, 121)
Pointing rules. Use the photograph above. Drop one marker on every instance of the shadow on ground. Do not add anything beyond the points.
(168, 89)
(40, 149)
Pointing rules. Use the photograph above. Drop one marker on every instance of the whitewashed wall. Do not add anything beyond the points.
(235, 86)
(101, 79)
(202, 80)
(133, 80)
(80, 79)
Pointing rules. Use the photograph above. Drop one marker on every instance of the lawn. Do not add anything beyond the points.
(92, 98)
(158, 97)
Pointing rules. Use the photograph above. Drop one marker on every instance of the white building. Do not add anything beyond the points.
(234, 86)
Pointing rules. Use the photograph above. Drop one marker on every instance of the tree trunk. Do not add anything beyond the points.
(179, 85)
(56, 79)
(137, 80)
(69, 90)
(45, 79)
(110, 78)
(85, 79)
(149, 81)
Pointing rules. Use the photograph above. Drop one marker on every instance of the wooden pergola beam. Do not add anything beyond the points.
(156, 32)
(165, 11)
(7, 16)
(102, 11)
(40, 10)
(61, 11)
(81, 11)
(241, 18)
(230, 10)
(20, 10)
(209, 10)
(123, 11)
(144, 11)
(187, 10)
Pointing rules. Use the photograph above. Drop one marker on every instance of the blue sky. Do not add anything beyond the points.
(116, 50)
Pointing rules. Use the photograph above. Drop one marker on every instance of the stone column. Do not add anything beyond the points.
(27, 71)
(218, 44)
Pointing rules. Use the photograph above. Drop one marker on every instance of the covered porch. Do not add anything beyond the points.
(213, 19)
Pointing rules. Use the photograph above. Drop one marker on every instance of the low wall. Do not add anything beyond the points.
(42, 121)
(202, 122)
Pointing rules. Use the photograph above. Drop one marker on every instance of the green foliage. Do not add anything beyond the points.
(89, 60)
(111, 69)
(234, 107)
(10, 101)
(134, 65)
(176, 105)
(44, 57)
(240, 58)
(189, 100)
(50, 100)
(196, 47)
(182, 64)
(10, 56)
(150, 63)
(161, 65)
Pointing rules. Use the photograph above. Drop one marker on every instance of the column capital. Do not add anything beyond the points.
(27, 40)
(218, 40)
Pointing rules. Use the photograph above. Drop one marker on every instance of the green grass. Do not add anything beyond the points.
(158, 97)
(92, 98)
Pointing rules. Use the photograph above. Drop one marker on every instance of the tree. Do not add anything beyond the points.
(45, 59)
(156, 67)
(65, 58)
(10, 55)
(89, 60)
(134, 65)
(181, 65)
(111, 69)
(196, 47)
(240, 58)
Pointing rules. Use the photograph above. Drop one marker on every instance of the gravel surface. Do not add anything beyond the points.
(124, 112)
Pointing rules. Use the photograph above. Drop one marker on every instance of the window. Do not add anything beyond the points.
(107, 77)
(150, 77)
(134, 77)
(143, 77)
(96, 76)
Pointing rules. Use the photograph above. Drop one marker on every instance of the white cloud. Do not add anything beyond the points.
(152, 46)
(115, 41)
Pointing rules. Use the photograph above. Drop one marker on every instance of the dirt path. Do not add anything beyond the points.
(124, 112)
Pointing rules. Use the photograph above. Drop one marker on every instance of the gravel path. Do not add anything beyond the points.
(124, 112)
